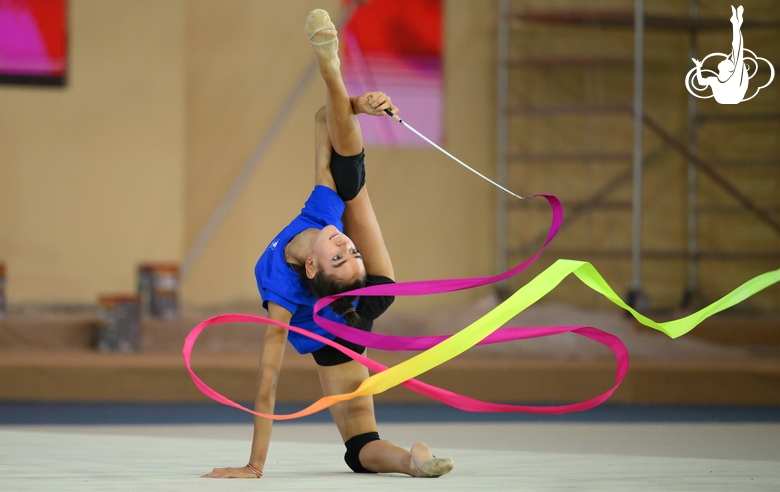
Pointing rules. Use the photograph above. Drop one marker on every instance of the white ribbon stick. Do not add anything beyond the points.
(399, 120)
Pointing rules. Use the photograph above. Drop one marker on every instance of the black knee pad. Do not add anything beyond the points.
(354, 445)
(349, 173)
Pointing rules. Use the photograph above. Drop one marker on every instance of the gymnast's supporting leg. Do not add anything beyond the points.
(356, 418)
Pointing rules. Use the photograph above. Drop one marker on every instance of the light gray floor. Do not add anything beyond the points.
(505, 456)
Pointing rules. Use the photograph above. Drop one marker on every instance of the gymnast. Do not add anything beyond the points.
(731, 84)
(313, 258)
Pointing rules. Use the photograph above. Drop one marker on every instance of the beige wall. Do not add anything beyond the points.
(665, 200)
(161, 111)
(91, 175)
(167, 100)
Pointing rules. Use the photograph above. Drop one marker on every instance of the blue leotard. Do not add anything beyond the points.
(278, 283)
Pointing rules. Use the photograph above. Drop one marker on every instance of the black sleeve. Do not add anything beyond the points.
(371, 307)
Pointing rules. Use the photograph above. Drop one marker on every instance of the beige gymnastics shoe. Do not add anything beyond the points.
(432, 467)
(317, 22)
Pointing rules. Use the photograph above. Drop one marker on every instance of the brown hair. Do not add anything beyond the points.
(324, 285)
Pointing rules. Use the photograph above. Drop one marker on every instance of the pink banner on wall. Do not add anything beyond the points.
(33, 40)
(401, 56)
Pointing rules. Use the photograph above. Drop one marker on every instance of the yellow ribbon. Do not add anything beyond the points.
(529, 294)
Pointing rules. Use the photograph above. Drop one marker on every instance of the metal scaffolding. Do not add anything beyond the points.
(639, 21)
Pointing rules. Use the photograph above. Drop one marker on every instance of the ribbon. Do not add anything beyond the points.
(439, 349)
(402, 374)
(480, 331)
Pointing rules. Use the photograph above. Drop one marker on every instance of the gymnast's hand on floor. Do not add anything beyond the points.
(243, 472)
(373, 103)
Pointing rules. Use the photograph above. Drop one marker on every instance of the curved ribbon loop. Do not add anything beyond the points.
(439, 349)
(400, 374)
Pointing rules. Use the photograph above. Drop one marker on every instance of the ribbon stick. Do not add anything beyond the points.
(410, 128)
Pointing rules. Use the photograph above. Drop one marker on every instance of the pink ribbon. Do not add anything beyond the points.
(450, 398)
(398, 343)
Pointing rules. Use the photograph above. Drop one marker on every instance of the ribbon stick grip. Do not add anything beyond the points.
(392, 115)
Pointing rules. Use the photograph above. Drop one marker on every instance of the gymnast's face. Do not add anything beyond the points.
(335, 254)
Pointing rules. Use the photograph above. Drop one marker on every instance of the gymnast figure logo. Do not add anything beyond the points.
(730, 84)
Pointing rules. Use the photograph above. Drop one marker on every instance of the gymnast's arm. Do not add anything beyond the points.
(270, 365)
(701, 80)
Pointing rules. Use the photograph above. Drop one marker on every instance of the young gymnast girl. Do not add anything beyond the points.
(314, 257)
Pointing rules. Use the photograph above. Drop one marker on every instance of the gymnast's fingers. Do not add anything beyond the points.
(369, 101)
(394, 109)
(376, 99)
(388, 105)
(230, 473)
(380, 102)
